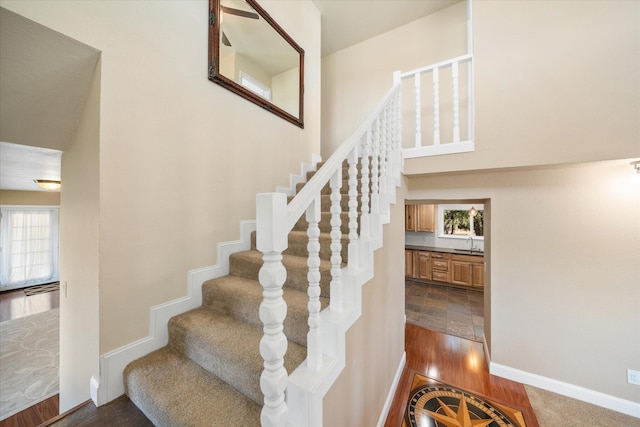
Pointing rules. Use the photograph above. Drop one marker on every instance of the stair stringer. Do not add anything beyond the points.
(112, 364)
(306, 388)
(299, 179)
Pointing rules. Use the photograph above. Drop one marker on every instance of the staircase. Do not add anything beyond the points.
(267, 342)
(209, 373)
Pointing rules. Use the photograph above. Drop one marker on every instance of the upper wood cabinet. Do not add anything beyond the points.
(420, 218)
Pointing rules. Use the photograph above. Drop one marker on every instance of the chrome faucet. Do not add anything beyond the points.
(471, 239)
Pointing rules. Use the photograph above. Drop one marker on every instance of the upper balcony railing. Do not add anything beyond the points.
(442, 108)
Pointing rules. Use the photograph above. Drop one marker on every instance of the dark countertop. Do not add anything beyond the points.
(443, 250)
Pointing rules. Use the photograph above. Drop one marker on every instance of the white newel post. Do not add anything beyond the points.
(271, 240)
(314, 351)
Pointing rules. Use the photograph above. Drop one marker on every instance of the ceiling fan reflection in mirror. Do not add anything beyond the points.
(237, 12)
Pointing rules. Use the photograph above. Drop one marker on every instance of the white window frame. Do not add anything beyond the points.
(456, 207)
(255, 86)
(5, 246)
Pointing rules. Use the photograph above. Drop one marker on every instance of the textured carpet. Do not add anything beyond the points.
(556, 410)
(29, 361)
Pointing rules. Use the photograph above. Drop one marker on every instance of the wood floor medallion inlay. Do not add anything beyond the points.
(432, 403)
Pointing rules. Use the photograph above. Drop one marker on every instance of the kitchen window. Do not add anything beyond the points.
(461, 221)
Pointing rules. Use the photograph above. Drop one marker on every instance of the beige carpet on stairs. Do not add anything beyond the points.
(209, 373)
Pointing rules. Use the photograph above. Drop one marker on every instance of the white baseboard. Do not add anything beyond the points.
(392, 392)
(112, 364)
(576, 392)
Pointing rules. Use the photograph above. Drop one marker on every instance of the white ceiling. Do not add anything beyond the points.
(21, 164)
(348, 22)
(45, 76)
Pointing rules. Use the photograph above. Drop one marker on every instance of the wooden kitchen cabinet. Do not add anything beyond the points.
(440, 267)
(478, 274)
(424, 265)
(467, 270)
(408, 263)
(420, 218)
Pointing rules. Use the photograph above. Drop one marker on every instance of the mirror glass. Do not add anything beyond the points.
(251, 55)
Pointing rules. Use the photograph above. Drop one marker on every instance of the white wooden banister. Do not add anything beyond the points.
(276, 218)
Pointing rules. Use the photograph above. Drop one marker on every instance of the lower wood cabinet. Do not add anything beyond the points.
(408, 263)
(467, 270)
(424, 265)
(464, 270)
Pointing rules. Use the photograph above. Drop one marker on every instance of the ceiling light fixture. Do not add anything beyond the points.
(48, 184)
(473, 211)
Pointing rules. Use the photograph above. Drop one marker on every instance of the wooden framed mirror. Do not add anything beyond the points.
(252, 56)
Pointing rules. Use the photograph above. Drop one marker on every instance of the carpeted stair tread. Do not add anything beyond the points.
(298, 241)
(226, 348)
(175, 391)
(247, 264)
(240, 298)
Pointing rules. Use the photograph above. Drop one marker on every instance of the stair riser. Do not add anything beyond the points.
(325, 223)
(296, 278)
(298, 245)
(244, 304)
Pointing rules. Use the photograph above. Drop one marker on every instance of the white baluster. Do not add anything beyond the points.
(456, 103)
(418, 136)
(314, 350)
(382, 167)
(336, 293)
(436, 106)
(364, 187)
(375, 154)
(352, 159)
(271, 213)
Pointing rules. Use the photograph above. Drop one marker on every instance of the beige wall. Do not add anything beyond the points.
(354, 79)
(180, 158)
(79, 256)
(44, 198)
(565, 245)
(375, 343)
(555, 82)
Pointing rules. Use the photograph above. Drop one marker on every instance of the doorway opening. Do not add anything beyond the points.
(447, 252)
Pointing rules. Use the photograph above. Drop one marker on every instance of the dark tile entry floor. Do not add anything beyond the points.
(445, 309)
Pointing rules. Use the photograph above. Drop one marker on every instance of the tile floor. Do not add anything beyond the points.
(449, 310)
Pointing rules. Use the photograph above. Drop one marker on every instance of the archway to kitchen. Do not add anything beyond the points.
(447, 260)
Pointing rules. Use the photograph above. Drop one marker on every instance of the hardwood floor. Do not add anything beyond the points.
(35, 415)
(455, 361)
(15, 304)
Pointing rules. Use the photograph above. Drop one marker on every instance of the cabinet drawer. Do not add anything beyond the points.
(437, 264)
(438, 255)
(440, 276)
